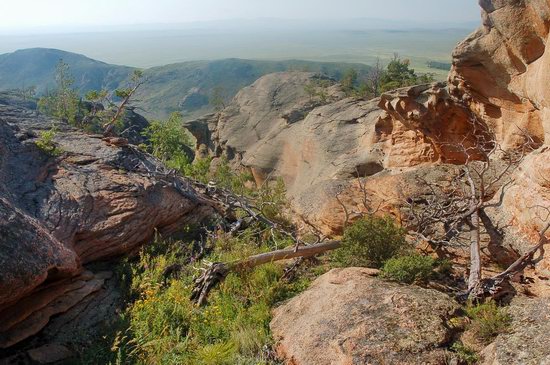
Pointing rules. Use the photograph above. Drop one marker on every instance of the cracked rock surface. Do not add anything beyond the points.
(348, 317)
(94, 201)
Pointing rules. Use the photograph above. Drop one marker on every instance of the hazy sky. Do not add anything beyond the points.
(18, 14)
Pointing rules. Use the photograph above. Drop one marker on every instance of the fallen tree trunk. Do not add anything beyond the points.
(498, 285)
(216, 272)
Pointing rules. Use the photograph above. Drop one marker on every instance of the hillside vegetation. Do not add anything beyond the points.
(186, 87)
(36, 67)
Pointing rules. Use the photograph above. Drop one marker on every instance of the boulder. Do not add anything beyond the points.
(348, 317)
(526, 341)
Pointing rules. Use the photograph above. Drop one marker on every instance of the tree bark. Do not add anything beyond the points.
(475, 253)
(286, 254)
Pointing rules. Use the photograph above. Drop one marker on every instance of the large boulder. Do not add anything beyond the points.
(58, 213)
(525, 343)
(348, 317)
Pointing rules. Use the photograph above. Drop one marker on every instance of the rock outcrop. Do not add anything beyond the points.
(498, 79)
(348, 317)
(92, 202)
(274, 128)
(502, 69)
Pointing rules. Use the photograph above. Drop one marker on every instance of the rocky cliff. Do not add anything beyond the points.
(58, 213)
(346, 155)
(498, 80)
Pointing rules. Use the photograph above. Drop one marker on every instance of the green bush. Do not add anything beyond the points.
(464, 353)
(488, 320)
(409, 269)
(370, 242)
(46, 143)
(168, 140)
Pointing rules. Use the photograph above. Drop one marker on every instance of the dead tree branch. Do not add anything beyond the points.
(444, 214)
(216, 272)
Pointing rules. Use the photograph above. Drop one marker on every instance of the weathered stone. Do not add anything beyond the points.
(50, 353)
(348, 317)
(526, 341)
(93, 201)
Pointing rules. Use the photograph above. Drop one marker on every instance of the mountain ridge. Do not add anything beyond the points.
(181, 86)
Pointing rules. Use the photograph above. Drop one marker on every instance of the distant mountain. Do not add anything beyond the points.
(185, 87)
(36, 67)
(188, 86)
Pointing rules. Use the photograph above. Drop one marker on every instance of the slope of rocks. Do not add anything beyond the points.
(348, 152)
(59, 213)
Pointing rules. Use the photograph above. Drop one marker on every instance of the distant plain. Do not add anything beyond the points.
(359, 43)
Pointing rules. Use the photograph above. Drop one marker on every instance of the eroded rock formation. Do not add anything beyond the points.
(498, 79)
(58, 213)
(502, 69)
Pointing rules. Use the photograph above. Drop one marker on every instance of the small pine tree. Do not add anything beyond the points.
(348, 82)
(169, 141)
(63, 102)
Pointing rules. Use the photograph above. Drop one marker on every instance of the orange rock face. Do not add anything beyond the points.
(347, 317)
(502, 70)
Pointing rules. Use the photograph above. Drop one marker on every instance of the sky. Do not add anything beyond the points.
(72, 14)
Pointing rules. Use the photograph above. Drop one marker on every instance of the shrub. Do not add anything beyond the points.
(409, 269)
(46, 144)
(464, 353)
(370, 242)
(488, 320)
(168, 140)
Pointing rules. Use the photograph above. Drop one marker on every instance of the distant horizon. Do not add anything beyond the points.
(244, 22)
(67, 14)
(146, 48)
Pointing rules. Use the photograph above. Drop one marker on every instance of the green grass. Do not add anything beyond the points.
(488, 320)
(162, 326)
(464, 353)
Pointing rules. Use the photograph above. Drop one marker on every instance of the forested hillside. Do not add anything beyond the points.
(188, 87)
